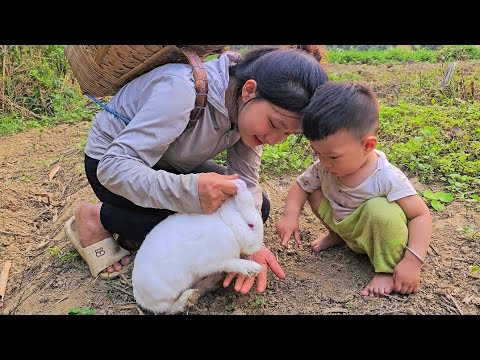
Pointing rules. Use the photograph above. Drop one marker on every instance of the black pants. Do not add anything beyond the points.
(120, 216)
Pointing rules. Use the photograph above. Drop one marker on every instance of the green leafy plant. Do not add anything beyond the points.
(470, 231)
(437, 199)
(80, 311)
(230, 307)
(259, 302)
(61, 256)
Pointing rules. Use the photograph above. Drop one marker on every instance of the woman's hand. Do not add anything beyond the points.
(265, 258)
(214, 189)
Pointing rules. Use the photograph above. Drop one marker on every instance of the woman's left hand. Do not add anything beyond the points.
(265, 258)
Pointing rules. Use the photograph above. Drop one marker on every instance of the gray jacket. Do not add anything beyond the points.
(134, 157)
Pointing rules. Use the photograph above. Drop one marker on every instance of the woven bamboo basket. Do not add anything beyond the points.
(102, 70)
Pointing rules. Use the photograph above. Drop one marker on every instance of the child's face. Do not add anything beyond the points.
(341, 153)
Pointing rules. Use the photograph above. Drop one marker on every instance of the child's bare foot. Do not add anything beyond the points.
(326, 241)
(90, 230)
(381, 284)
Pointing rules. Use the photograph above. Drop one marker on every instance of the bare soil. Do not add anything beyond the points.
(42, 180)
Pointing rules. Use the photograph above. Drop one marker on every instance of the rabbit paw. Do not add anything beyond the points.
(187, 300)
(250, 268)
(193, 298)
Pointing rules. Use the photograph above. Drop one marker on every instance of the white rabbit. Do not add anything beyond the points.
(184, 248)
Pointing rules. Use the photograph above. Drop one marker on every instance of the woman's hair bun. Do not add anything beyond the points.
(317, 51)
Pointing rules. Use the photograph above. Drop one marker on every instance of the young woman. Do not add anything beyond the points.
(157, 164)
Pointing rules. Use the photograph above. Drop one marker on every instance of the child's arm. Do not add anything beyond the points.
(406, 275)
(288, 223)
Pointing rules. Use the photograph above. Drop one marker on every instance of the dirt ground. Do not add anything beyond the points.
(42, 180)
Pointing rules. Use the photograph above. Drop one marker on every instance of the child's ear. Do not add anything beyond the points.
(369, 143)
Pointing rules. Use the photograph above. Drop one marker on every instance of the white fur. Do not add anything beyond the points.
(184, 248)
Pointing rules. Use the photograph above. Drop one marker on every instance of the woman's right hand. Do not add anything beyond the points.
(214, 189)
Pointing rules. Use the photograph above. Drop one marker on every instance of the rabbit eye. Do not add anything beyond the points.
(251, 226)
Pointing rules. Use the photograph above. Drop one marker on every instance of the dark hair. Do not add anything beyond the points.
(285, 77)
(340, 106)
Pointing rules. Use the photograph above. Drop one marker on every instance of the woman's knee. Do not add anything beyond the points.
(265, 206)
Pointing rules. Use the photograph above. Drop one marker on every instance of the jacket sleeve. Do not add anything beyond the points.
(126, 168)
(245, 162)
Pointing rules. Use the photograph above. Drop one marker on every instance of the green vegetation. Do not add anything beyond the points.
(429, 119)
(81, 311)
(37, 88)
(259, 301)
(399, 55)
(61, 256)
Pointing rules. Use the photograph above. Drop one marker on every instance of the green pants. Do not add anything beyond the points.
(377, 228)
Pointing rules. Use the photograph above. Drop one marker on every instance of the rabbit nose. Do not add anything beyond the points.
(251, 226)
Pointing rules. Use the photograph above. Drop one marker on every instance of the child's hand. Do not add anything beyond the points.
(406, 276)
(287, 226)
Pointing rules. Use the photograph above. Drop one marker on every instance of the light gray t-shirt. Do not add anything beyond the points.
(134, 157)
(386, 181)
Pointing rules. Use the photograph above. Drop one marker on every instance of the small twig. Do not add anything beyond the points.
(394, 297)
(459, 259)
(41, 213)
(18, 107)
(66, 186)
(455, 303)
(4, 280)
(124, 278)
(140, 311)
(436, 252)
(122, 290)
(64, 298)
(393, 311)
(448, 306)
(22, 234)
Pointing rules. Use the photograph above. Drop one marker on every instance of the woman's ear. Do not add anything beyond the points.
(369, 143)
(249, 90)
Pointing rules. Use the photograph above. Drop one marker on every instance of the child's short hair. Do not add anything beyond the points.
(340, 106)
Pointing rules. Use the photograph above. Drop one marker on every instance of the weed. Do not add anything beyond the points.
(436, 199)
(230, 307)
(80, 311)
(259, 302)
(61, 256)
(470, 232)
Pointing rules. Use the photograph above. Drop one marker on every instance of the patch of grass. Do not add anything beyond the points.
(470, 232)
(230, 307)
(39, 89)
(398, 55)
(259, 301)
(60, 256)
(434, 142)
(81, 311)
(292, 156)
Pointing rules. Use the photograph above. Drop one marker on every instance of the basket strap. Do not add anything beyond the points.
(201, 85)
(201, 90)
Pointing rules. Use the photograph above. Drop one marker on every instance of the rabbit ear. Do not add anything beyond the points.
(240, 184)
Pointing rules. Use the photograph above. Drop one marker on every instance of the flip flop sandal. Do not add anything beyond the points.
(100, 255)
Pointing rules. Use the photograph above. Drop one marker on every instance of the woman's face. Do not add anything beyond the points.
(261, 122)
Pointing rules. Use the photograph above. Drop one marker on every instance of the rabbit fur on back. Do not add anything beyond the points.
(184, 248)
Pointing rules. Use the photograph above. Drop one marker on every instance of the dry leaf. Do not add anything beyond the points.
(53, 172)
